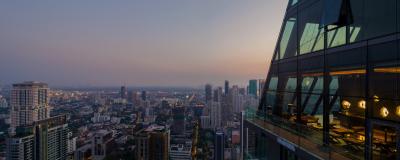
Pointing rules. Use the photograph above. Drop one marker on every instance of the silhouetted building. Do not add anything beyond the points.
(226, 91)
(123, 92)
(219, 148)
(178, 126)
(208, 92)
(144, 95)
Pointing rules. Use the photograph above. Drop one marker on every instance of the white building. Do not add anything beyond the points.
(29, 103)
(215, 114)
(182, 151)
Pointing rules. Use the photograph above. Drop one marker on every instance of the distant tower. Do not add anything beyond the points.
(208, 91)
(218, 94)
(219, 145)
(144, 95)
(29, 103)
(226, 91)
(253, 87)
(261, 83)
(124, 92)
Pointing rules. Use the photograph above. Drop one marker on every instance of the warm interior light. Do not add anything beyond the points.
(362, 104)
(361, 137)
(398, 110)
(384, 112)
(388, 70)
(346, 105)
(376, 98)
(348, 72)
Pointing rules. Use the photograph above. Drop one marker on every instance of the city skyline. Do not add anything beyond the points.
(152, 43)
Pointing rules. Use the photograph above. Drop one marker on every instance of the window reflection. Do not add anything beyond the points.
(336, 36)
(346, 122)
(384, 142)
(312, 37)
(347, 82)
(287, 46)
(312, 84)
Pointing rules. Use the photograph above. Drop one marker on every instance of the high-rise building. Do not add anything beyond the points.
(102, 144)
(333, 84)
(152, 143)
(237, 99)
(29, 103)
(208, 93)
(180, 150)
(253, 89)
(144, 95)
(123, 92)
(44, 139)
(215, 112)
(226, 91)
(219, 148)
(217, 96)
(261, 84)
(178, 126)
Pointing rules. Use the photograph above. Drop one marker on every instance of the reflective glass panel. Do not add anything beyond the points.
(287, 45)
(384, 139)
(346, 122)
(380, 17)
(312, 36)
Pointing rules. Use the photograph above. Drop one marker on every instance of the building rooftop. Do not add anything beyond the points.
(30, 83)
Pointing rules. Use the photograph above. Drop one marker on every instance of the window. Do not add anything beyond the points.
(384, 71)
(384, 140)
(346, 124)
(337, 12)
(380, 17)
(356, 27)
(288, 41)
(310, 30)
(336, 36)
(312, 84)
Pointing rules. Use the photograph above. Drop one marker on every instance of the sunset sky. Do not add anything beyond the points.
(137, 42)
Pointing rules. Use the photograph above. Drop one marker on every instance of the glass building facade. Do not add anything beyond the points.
(333, 88)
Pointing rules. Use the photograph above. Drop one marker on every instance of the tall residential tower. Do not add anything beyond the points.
(29, 103)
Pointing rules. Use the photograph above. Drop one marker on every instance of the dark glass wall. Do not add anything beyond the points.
(340, 82)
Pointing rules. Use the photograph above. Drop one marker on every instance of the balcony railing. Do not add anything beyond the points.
(299, 135)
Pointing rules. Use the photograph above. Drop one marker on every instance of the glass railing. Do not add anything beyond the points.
(302, 136)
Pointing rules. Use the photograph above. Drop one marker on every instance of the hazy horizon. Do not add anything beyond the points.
(137, 43)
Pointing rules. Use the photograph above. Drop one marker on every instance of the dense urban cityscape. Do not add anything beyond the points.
(39, 122)
(331, 90)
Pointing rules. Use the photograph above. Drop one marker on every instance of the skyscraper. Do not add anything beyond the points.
(123, 92)
(261, 84)
(253, 87)
(208, 92)
(216, 115)
(219, 143)
(152, 143)
(44, 139)
(237, 99)
(144, 95)
(29, 103)
(226, 91)
(332, 90)
(217, 96)
(178, 126)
